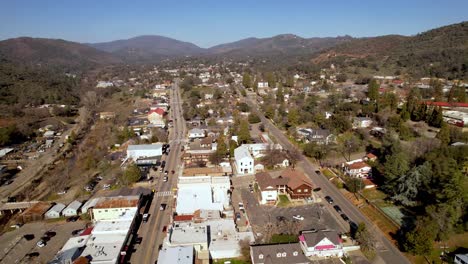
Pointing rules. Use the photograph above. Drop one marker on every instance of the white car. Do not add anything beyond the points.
(41, 243)
(298, 217)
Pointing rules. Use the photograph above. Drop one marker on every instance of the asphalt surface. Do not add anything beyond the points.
(386, 250)
(151, 231)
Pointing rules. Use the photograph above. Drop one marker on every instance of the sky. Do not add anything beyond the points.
(208, 23)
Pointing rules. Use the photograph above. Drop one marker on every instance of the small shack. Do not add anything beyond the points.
(35, 212)
(72, 209)
(55, 211)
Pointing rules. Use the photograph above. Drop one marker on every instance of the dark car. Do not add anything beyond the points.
(138, 240)
(318, 189)
(337, 209)
(329, 199)
(29, 237)
(77, 232)
(73, 218)
(345, 217)
(160, 247)
(50, 233)
(32, 255)
(172, 171)
(164, 229)
(163, 164)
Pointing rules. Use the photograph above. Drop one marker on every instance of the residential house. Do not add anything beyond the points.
(35, 212)
(243, 160)
(55, 211)
(362, 122)
(290, 181)
(262, 84)
(72, 209)
(156, 117)
(208, 96)
(318, 136)
(299, 186)
(196, 133)
(321, 244)
(269, 187)
(278, 254)
(357, 168)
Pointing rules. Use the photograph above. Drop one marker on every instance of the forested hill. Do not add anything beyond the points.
(441, 52)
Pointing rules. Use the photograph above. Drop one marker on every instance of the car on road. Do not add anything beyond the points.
(345, 217)
(298, 217)
(32, 255)
(160, 247)
(172, 171)
(162, 207)
(166, 172)
(329, 199)
(164, 229)
(165, 179)
(318, 189)
(50, 234)
(145, 218)
(337, 209)
(238, 216)
(41, 243)
(106, 186)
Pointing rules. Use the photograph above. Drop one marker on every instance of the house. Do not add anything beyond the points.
(362, 122)
(72, 209)
(278, 254)
(136, 152)
(196, 133)
(176, 255)
(269, 186)
(318, 136)
(262, 84)
(370, 157)
(357, 168)
(106, 115)
(55, 211)
(243, 160)
(321, 244)
(208, 96)
(156, 117)
(299, 185)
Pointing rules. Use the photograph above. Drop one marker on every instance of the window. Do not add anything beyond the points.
(284, 254)
(278, 255)
(295, 253)
(250, 163)
(306, 190)
(260, 256)
(241, 163)
(299, 190)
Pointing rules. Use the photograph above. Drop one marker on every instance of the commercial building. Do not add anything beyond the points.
(136, 152)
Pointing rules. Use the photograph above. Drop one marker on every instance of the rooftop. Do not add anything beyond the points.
(176, 255)
(313, 238)
(189, 234)
(118, 202)
(154, 146)
(278, 254)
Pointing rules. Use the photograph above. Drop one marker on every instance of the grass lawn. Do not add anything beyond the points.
(384, 224)
(374, 194)
(328, 173)
(233, 261)
(283, 201)
(277, 238)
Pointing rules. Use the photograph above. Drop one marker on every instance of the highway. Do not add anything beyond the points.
(151, 231)
(386, 250)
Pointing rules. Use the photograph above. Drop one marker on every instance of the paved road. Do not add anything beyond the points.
(386, 249)
(151, 232)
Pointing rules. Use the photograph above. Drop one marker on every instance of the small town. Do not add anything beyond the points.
(152, 150)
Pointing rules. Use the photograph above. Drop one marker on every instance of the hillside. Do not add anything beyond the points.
(148, 48)
(441, 52)
(62, 54)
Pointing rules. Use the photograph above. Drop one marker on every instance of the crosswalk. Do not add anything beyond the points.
(166, 193)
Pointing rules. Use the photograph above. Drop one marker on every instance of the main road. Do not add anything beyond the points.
(151, 231)
(385, 249)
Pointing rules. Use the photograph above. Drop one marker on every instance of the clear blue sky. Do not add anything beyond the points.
(208, 23)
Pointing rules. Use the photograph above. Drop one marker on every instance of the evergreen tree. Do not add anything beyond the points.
(244, 133)
(444, 134)
(373, 90)
(246, 80)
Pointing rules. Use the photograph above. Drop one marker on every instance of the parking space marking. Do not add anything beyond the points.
(166, 193)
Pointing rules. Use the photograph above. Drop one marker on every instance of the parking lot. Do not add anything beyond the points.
(315, 216)
(15, 247)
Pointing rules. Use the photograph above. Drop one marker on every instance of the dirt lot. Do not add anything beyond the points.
(15, 247)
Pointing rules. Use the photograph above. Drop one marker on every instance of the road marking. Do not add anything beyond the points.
(166, 193)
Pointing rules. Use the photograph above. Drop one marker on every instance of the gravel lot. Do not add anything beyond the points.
(15, 247)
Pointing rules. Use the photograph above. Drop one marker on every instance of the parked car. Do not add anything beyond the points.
(238, 216)
(50, 233)
(318, 189)
(73, 218)
(337, 209)
(281, 218)
(298, 217)
(345, 217)
(165, 179)
(166, 172)
(162, 207)
(145, 218)
(29, 237)
(172, 171)
(77, 232)
(32, 255)
(164, 229)
(329, 199)
(41, 243)
(106, 186)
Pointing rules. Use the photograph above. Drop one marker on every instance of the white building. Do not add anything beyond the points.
(244, 160)
(176, 255)
(321, 244)
(262, 84)
(196, 133)
(72, 209)
(156, 117)
(104, 84)
(362, 122)
(108, 208)
(55, 211)
(143, 151)
(357, 168)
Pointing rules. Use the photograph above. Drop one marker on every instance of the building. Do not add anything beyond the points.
(55, 211)
(299, 186)
(269, 187)
(362, 122)
(278, 254)
(106, 115)
(108, 208)
(318, 136)
(202, 193)
(321, 244)
(461, 259)
(243, 160)
(72, 209)
(136, 152)
(291, 182)
(357, 168)
(456, 118)
(35, 212)
(196, 133)
(262, 84)
(156, 117)
(176, 255)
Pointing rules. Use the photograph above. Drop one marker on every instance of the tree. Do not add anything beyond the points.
(293, 117)
(253, 118)
(280, 95)
(221, 148)
(243, 107)
(132, 174)
(348, 143)
(365, 240)
(244, 246)
(342, 77)
(444, 134)
(437, 92)
(373, 90)
(396, 165)
(408, 186)
(294, 156)
(246, 80)
(270, 77)
(244, 133)
(340, 123)
(216, 158)
(232, 147)
(315, 151)
(354, 185)
(436, 118)
(419, 240)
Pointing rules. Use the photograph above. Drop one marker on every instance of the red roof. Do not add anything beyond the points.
(87, 231)
(446, 104)
(158, 111)
(182, 218)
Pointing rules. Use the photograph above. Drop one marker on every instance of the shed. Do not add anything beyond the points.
(55, 211)
(35, 212)
(72, 209)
